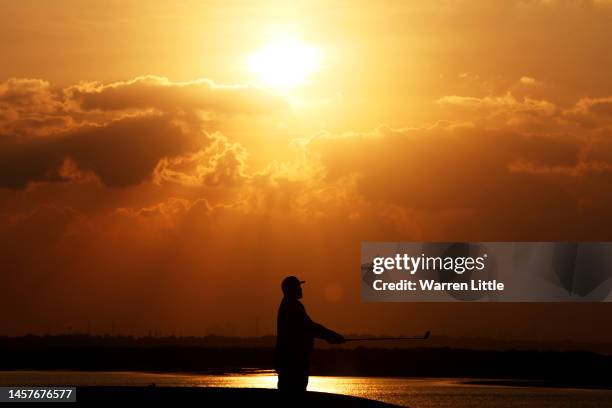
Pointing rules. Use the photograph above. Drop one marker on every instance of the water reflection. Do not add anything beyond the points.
(413, 392)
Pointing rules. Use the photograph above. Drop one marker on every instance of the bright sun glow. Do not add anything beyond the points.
(284, 63)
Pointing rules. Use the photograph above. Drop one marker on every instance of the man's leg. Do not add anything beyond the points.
(292, 381)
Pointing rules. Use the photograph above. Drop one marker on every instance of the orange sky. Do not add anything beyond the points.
(151, 180)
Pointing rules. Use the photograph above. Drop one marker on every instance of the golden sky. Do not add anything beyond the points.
(164, 164)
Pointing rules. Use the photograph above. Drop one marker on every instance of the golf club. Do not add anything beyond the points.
(423, 337)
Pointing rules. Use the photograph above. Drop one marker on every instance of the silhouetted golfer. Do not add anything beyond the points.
(295, 334)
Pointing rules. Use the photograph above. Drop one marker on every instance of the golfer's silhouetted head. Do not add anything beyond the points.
(292, 287)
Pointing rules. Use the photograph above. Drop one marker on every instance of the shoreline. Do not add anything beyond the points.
(491, 381)
(535, 384)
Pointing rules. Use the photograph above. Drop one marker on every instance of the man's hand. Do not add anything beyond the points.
(336, 338)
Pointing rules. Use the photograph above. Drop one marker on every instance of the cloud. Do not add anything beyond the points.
(506, 103)
(220, 163)
(500, 183)
(510, 168)
(154, 92)
(119, 132)
(30, 106)
(591, 112)
(527, 80)
(121, 153)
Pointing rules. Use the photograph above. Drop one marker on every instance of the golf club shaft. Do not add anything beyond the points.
(424, 337)
(386, 338)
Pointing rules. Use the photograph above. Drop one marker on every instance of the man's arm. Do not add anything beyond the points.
(321, 332)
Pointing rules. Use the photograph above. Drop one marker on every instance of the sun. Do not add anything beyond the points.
(284, 63)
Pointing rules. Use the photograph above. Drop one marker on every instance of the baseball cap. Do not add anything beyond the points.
(290, 281)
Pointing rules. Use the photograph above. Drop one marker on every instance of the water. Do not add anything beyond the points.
(412, 392)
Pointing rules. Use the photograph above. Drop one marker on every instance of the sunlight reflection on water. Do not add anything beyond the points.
(413, 392)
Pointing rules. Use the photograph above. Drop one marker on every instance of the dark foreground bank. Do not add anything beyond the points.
(215, 397)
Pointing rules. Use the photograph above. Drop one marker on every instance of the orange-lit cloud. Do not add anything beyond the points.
(118, 132)
(153, 92)
(512, 168)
